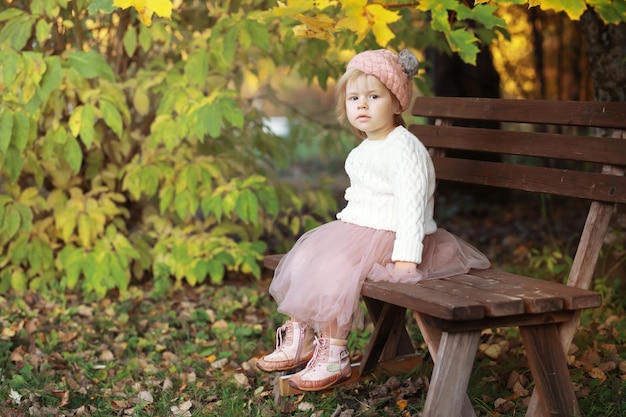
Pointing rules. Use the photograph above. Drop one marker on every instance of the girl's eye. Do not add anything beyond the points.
(374, 96)
(352, 98)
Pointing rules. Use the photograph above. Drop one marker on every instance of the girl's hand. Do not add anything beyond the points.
(403, 267)
(406, 272)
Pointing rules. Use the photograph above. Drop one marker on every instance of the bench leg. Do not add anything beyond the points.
(447, 395)
(432, 336)
(390, 338)
(554, 389)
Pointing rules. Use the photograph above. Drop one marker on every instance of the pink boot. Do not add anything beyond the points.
(329, 366)
(295, 350)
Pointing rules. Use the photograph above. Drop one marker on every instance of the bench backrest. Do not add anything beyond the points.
(511, 172)
(599, 155)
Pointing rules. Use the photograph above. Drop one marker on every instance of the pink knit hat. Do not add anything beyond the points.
(393, 70)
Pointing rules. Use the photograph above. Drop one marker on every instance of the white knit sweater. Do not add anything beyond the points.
(392, 182)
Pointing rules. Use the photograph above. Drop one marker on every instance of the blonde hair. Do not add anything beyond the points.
(340, 96)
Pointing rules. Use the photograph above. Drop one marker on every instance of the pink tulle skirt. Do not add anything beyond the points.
(319, 280)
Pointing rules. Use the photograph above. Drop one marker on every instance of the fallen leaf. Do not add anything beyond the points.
(590, 358)
(241, 379)
(107, 356)
(118, 405)
(31, 326)
(167, 384)
(11, 331)
(306, 406)
(186, 405)
(493, 351)
(182, 410)
(609, 347)
(220, 363)
(15, 396)
(608, 366)
(84, 311)
(65, 337)
(146, 397)
(520, 390)
(503, 406)
(63, 396)
(219, 325)
(597, 373)
(18, 354)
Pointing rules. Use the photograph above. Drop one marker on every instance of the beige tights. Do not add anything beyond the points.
(333, 330)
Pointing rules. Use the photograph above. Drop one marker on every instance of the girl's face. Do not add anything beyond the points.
(370, 107)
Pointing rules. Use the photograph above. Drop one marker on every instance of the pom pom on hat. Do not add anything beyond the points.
(395, 71)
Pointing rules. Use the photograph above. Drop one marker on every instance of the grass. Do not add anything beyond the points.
(192, 354)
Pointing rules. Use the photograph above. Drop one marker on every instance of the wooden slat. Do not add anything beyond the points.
(398, 343)
(567, 113)
(549, 368)
(533, 301)
(451, 326)
(432, 336)
(544, 145)
(586, 185)
(573, 298)
(496, 304)
(391, 317)
(447, 392)
(428, 301)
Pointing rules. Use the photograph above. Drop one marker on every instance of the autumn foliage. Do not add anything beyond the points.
(132, 142)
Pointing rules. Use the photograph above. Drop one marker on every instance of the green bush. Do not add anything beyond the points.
(129, 152)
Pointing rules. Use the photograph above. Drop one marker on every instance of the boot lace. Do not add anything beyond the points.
(322, 346)
(287, 328)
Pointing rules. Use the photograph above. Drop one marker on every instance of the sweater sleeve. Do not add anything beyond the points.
(410, 184)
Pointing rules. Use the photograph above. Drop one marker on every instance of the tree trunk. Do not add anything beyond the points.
(606, 50)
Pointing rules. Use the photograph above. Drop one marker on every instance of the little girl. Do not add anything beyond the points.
(385, 232)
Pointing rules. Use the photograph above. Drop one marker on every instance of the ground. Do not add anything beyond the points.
(191, 352)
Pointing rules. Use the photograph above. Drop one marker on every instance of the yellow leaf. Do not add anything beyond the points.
(141, 101)
(251, 82)
(382, 33)
(91, 204)
(74, 122)
(356, 18)
(99, 221)
(162, 8)
(573, 8)
(402, 404)
(19, 281)
(28, 195)
(318, 23)
(123, 4)
(322, 4)
(318, 27)
(379, 13)
(84, 230)
(382, 17)
(294, 7)
(362, 17)
(65, 223)
(533, 3)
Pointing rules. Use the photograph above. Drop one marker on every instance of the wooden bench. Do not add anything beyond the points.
(452, 312)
